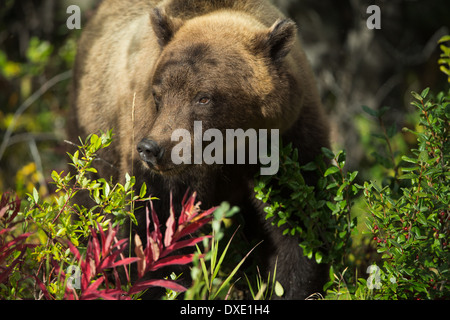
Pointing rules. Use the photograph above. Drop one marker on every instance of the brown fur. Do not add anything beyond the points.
(245, 56)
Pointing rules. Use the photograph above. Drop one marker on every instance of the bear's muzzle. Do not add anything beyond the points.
(150, 152)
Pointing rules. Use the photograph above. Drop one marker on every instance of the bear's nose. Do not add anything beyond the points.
(150, 151)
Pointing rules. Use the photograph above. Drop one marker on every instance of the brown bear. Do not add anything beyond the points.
(147, 68)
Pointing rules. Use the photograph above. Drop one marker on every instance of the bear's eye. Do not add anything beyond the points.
(204, 100)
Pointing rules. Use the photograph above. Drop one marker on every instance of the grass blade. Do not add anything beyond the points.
(204, 269)
(228, 279)
(216, 268)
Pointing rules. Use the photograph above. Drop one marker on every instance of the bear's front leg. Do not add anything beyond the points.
(300, 277)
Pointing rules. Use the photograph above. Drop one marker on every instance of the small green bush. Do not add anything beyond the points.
(320, 216)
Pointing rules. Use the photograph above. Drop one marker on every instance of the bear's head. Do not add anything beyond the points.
(224, 70)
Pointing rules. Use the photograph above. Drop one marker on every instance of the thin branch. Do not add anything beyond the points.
(38, 161)
(28, 136)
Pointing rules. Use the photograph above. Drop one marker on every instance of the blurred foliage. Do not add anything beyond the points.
(37, 52)
(445, 56)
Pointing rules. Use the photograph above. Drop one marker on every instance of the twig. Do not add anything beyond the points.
(38, 161)
(28, 136)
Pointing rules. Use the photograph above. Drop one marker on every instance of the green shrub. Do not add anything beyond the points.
(320, 216)
(410, 222)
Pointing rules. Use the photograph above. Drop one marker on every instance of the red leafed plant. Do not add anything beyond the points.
(101, 255)
(159, 253)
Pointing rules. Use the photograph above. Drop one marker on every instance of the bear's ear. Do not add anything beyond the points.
(277, 42)
(164, 26)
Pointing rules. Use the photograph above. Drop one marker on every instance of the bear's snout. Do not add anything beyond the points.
(150, 152)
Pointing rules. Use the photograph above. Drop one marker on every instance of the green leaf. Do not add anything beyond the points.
(392, 130)
(143, 191)
(409, 176)
(309, 167)
(353, 176)
(128, 183)
(75, 157)
(421, 219)
(331, 170)
(107, 190)
(342, 234)
(321, 183)
(444, 39)
(55, 176)
(371, 112)
(409, 169)
(416, 96)
(394, 243)
(408, 159)
(318, 257)
(279, 290)
(94, 140)
(93, 170)
(331, 205)
(423, 156)
(328, 153)
(425, 93)
(35, 195)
